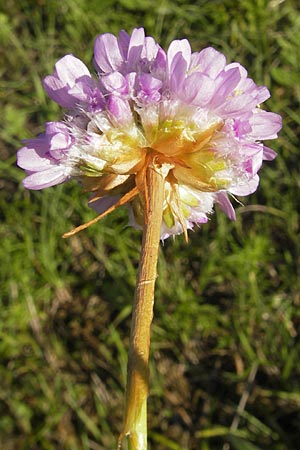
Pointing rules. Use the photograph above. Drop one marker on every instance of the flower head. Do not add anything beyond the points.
(191, 111)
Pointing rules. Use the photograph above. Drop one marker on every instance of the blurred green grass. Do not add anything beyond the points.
(226, 303)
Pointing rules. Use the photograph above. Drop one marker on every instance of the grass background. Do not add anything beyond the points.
(227, 304)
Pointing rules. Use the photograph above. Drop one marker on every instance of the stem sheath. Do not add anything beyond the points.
(135, 421)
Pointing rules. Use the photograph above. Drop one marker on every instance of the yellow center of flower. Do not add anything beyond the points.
(188, 151)
(192, 151)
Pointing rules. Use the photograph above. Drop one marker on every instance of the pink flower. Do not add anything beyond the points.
(193, 111)
(71, 85)
(44, 158)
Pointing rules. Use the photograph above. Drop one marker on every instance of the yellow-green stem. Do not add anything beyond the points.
(135, 421)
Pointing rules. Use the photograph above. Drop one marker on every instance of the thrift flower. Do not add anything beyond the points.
(192, 111)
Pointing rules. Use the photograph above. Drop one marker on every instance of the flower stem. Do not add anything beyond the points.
(135, 421)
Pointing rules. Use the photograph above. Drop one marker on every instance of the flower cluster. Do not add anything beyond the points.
(192, 111)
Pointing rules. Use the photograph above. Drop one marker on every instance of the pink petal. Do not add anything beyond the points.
(123, 43)
(183, 47)
(226, 83)
(58, 92)
(33, 159)
(135, 48)
(150, 49)
(268, 154)
(80, 92)
(69, 69)
(115, 83)
(209, 61)
(243, 71)
(120, 110)
(246, 188)
(60, 141)
(265, 125)
(147, 88)
(238, 105)
(262, 94)
(63, 86)
(254, 158)
(107, 54)
(225, 205)
(197, 89)
(159, 65)
(56, 127)
(177, 73)
(46, 178)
